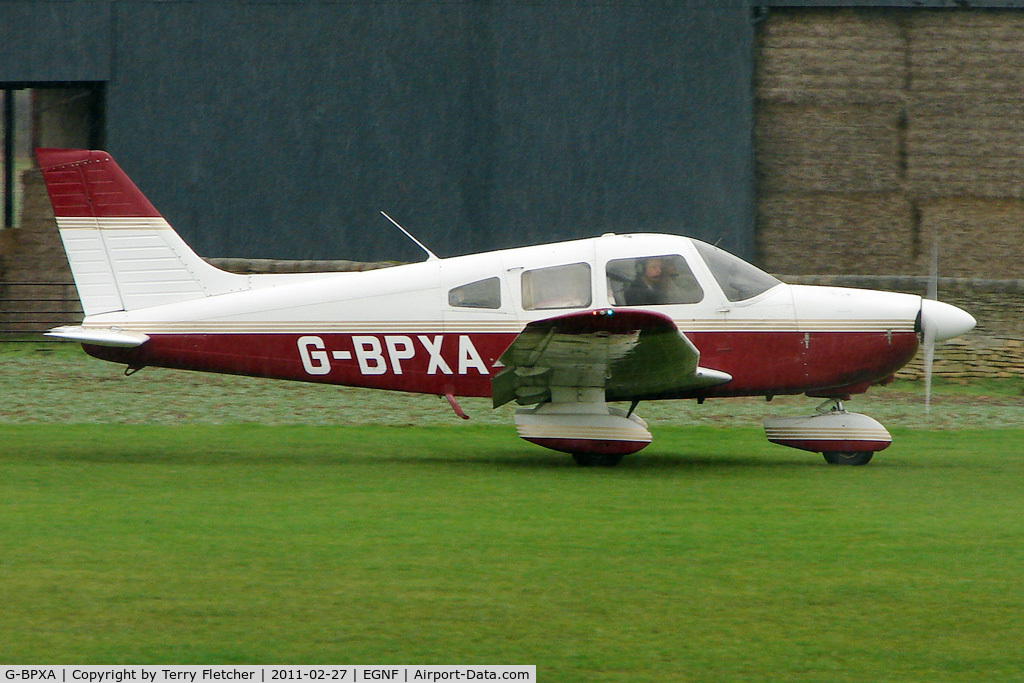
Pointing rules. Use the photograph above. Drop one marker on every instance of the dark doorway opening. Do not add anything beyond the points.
(36, 289)
(43, 115)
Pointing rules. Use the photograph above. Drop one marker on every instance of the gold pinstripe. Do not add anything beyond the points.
(829, 434)
(482, 327)
(578, 432)
(112, 223)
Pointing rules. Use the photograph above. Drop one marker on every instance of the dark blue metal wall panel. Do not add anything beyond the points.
(54, 41)
(279, 129)
(895, 4)
(618, 118)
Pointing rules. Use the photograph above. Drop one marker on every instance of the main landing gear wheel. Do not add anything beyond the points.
(848, 457)
(597, 459)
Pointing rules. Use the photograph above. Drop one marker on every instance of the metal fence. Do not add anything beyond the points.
(34, 307)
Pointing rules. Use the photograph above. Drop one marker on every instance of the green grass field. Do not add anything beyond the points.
(176, 531)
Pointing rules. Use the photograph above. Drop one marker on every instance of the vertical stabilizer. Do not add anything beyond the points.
(123, 253)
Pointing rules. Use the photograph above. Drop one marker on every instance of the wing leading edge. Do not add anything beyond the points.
(630, 354)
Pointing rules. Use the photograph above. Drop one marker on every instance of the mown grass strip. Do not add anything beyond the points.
(710, 556)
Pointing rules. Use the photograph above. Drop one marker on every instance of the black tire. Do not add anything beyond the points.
(848, 457)
(597, 459)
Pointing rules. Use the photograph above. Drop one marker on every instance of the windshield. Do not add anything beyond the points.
(738, 279)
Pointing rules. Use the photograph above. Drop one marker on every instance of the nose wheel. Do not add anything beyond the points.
(848, 457)
(597, 459)
(854, 458)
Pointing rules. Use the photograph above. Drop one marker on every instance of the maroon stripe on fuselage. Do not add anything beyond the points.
(590, 446)
(760, 362)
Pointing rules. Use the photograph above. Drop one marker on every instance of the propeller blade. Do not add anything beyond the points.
(929, 359)
(933, 272)
(928, 327)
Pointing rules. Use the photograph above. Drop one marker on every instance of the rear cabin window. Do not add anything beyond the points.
(479, 294)
(557, 287)
(738, 279)
(652, 280)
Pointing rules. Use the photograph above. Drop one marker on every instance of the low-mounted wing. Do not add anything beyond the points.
(631, 354)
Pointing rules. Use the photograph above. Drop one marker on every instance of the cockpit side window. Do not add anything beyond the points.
(557, 287)
(738, 279)
(479, 294)
(652, 280)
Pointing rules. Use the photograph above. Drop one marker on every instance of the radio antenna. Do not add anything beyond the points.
(431, 256)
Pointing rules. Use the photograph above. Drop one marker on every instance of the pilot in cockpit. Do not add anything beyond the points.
(651, 286)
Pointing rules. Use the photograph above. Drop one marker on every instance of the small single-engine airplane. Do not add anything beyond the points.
(562, 329)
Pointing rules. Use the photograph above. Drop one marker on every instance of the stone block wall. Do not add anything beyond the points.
(880, 131)
(36, 289)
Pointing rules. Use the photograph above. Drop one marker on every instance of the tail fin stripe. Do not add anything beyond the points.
(111, 223)
(89, 183)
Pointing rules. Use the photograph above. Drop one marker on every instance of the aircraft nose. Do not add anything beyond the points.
(946, 320)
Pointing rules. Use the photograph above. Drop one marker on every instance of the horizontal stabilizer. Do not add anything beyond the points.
(108, 336)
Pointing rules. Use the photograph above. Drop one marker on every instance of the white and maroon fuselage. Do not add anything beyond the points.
(396, 328)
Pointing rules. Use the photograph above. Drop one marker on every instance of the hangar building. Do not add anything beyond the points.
(281, 129)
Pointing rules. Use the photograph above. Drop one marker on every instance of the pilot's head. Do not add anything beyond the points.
(653, 270)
